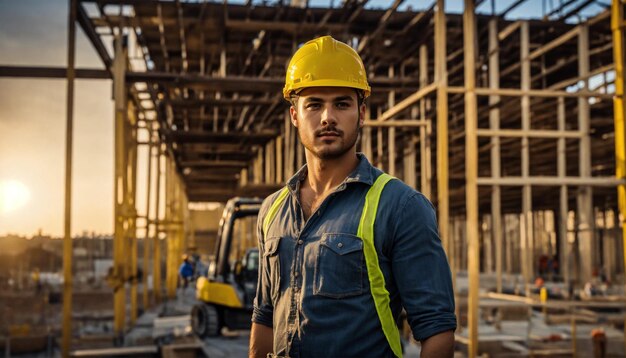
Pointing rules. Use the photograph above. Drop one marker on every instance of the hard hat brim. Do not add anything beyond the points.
(288, 90)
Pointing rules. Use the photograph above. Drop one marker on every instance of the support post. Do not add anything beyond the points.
(617, 21)
(471, 173)
(379, 147)
(494, 124)
(67, 230)
(391, 134)
(156, 262)
(564, 247)
(425, 160)
(170, 273)
(119, 243)
(441, 78)
(146, 237)
(289, 147)
(410, 155)
(367, 137)
(131, 144)
(257, 176)
(280, 177)
(527, 214)
(586, 245)
(169, 237)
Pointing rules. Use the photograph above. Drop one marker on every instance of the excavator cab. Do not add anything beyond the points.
(227, 292)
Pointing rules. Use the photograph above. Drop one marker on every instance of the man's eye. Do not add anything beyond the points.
(313, 105)
(343, 105)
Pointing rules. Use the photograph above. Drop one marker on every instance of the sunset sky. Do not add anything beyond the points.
(32, 119)
(32, 125)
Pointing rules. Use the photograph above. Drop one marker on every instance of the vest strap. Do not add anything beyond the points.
(271, 214)
(374, 273)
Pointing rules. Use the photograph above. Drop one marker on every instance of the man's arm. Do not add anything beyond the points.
(262, 333)
(422, 275)
(261, 341)
(439, 345)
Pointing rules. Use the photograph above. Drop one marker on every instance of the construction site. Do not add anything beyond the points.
(514, 129)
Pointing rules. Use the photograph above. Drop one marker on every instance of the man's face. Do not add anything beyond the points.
(328, 120)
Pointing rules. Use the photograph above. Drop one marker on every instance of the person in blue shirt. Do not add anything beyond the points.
(186, 272)
(344, 247)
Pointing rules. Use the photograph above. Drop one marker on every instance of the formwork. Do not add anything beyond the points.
(513, 128)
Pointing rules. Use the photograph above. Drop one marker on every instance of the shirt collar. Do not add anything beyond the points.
(363, 173)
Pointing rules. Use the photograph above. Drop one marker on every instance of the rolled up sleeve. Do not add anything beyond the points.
(263, 310)
(420, 269)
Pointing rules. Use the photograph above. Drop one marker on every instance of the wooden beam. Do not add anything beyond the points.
(217, 137)
(93, 36)
(471, 174)
(52, 72)
(214, 163)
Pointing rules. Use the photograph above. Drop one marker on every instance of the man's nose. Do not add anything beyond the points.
(328, 116)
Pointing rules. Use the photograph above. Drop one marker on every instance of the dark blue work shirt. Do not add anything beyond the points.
(186, 269)
(313, 284)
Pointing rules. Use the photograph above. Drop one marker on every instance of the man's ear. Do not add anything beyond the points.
(294, 116)
(362, 110)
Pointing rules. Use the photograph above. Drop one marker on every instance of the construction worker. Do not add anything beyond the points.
(186, 272)
(344, 247)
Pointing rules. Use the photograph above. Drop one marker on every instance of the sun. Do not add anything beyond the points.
(13, 196)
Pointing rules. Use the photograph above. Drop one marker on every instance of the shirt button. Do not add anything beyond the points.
(300, 242)
(340, 245)
(295, 274)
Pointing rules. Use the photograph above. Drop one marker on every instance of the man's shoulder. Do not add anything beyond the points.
(399, 188)
(401, 193)
(269, 200)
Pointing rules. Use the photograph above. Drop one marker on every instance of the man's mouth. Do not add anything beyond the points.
(328, 134)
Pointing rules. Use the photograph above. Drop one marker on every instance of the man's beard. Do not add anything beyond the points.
(346, 144)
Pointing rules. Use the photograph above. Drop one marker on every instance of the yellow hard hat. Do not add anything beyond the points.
(325, 62)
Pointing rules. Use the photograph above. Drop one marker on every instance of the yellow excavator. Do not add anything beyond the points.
(226, 293)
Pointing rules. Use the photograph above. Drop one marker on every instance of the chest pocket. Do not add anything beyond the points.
(272, 260)
(340, 267)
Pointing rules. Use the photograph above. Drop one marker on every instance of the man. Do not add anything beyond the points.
(343, 247)
(186, 272)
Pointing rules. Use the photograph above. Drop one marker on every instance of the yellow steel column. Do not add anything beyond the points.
(391, 132)
(617, 21)
(494, 123)
(587, 245)
(441, 78)
(280, 176)
(176, 227)
(168, 230)
(170, 273)
(180, 234)
(527, 238)
(67, 240)
(146, 237)
(424, 135)
(471, 174)
(117, 279)
(132, 207)
(156, 276)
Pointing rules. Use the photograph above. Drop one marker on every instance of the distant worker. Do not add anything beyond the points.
(186, 271)
(345, 247)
